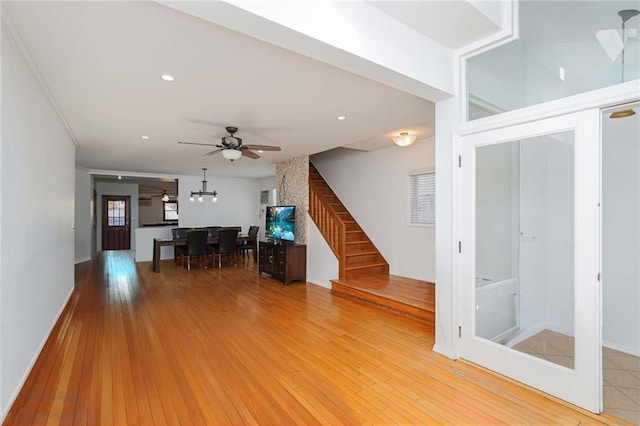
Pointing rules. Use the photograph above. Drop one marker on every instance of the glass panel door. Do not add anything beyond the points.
(529, 268)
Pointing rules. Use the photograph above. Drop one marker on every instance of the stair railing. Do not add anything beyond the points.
(330, 225)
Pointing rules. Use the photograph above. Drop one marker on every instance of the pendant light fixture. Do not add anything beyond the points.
(203, 191)
(625, 15)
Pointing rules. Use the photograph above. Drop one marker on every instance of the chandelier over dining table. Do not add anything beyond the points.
(201, 193)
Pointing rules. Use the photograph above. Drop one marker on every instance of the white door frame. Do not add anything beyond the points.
(580, 385)
(602, 98)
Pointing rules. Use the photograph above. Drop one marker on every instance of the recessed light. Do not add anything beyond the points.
(167, 77)
(145, 137)
(260, 151)
(341, 117)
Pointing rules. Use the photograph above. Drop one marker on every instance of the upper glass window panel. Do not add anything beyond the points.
(565, 48)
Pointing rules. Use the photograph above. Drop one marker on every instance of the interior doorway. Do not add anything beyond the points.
(529, 250)
(621, 263)
(116, 220)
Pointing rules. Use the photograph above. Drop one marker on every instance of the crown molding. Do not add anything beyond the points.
(12, 35)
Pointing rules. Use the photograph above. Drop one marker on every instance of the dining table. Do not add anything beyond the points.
(161, 242)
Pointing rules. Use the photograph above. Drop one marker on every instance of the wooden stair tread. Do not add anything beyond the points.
(357, 242)
(404, 296)
(365, 265)
(363, 253)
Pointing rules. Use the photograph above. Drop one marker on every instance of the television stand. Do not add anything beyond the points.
(284, 262)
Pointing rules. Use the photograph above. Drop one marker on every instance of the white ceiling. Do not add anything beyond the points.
(102, 61)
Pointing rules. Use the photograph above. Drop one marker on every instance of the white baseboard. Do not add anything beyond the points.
(16, 392)
(525, 334)
(621, 348)
(445, 352)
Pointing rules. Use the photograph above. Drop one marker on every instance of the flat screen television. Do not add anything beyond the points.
(281, 223)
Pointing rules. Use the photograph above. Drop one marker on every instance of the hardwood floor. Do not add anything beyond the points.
(225, 346)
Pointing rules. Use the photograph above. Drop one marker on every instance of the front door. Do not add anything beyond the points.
(116, 217)
(529, 254)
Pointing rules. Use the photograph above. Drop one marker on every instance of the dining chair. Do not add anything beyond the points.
(245, 246)
(227, 238)
(179, 234)
(196, 247)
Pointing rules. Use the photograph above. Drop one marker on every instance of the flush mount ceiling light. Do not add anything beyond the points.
(145, 137)
(341, 118)
(231, 154)
(203, 191)
(167, 77)
(625, 15)
(404, 139)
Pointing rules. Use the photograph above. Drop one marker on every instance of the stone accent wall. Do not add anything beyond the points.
(292, 185)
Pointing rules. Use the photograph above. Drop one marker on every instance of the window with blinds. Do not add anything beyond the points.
(422, 198)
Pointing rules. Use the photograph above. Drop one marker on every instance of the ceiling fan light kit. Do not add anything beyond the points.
(203, 191)
(404, 139)
(231, 154)
(232, 147)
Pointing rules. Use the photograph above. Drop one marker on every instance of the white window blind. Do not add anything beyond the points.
(422, 194)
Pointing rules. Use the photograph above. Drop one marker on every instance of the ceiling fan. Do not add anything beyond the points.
(232, 147)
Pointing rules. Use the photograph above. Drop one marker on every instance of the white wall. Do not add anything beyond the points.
(82, 226)
(238, 203)
(322, 264)
(37, 244)
(108, 188)
(374, 188)
(621, 233)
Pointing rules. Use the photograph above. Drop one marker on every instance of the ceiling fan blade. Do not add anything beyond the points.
(215, 151)
(263, 147)
(195, 143)
(250, 154)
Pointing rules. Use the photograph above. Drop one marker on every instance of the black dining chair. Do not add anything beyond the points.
(179, 234)
(196, 247)
(245, 246)
(226, 244)
(212, 232)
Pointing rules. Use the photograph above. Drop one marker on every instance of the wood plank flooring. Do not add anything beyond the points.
(226, 346)
(404, 296)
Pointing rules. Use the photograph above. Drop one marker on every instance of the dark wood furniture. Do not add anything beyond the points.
(160, 242)
(283, 262)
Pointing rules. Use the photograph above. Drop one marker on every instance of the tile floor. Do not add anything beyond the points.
(621, 371)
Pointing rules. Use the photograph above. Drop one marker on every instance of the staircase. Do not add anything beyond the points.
(363, 272)
(357, 256)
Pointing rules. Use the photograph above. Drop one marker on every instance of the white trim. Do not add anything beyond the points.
(620, 348)
(511, 18)
(15, 39)
(601, 98)
(588, 313)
